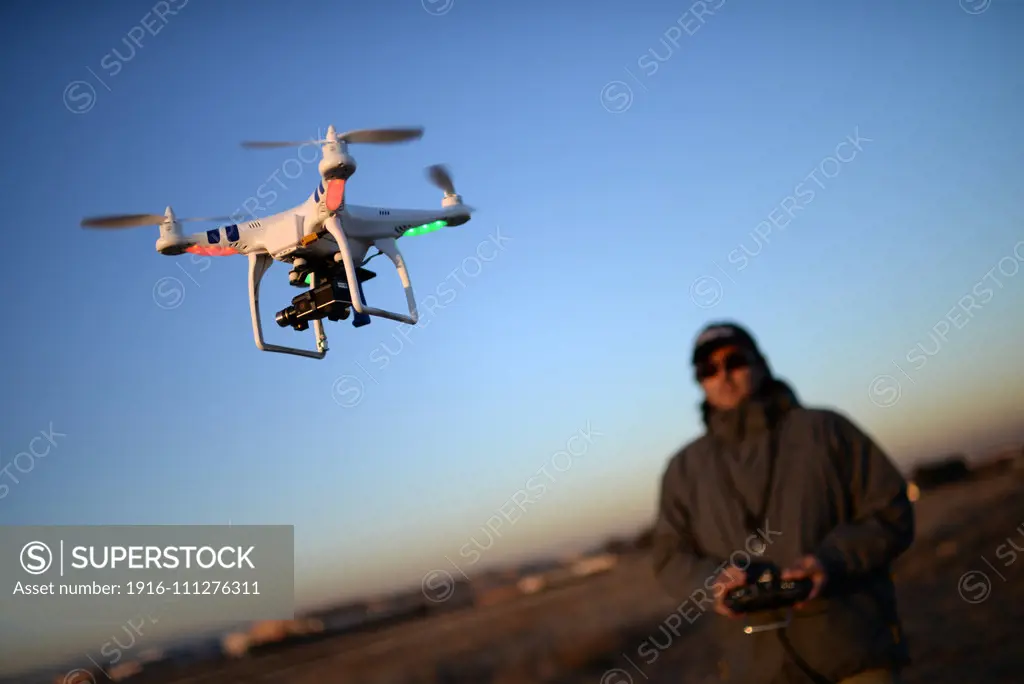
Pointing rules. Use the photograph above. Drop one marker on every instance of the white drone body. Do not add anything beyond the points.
(324, 239)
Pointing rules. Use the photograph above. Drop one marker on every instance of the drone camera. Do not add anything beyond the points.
(331, 300)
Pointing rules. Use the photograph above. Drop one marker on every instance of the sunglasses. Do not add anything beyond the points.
(709, 369)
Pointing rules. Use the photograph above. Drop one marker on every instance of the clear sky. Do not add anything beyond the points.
(625, 160)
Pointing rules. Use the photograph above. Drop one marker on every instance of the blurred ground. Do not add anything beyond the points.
(578, 634)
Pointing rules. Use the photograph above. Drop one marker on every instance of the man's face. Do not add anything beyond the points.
(728, 376)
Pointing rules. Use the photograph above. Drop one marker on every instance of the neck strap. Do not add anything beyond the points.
(752, 520)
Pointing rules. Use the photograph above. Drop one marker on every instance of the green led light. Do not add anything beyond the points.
(425, 228)
(309, 279)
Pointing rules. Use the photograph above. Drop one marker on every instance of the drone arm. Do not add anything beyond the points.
(258, 265)
(386, 246)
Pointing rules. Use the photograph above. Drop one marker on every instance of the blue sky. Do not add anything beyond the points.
(621, 156)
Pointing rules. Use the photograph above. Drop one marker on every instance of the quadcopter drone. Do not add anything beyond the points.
(324, 240)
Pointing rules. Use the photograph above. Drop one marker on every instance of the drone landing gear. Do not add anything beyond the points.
(387, 247)
(258, 265)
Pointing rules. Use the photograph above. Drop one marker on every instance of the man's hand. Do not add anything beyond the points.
(808, 567)
(726, 580)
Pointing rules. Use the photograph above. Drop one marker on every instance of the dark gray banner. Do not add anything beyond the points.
(174, 575)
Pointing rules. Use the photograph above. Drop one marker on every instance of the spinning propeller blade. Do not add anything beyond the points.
(362, 135)
(442, 178)
(381, 135)
(137, 220)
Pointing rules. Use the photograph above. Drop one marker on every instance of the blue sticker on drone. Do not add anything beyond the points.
(213, 236)
(232, 233)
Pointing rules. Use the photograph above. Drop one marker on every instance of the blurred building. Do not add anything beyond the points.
(239, 643)
(940, 472)
(569, 573)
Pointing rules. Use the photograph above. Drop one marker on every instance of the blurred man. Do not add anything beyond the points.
(800, 487)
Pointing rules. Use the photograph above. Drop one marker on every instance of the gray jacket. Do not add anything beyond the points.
(836, 494)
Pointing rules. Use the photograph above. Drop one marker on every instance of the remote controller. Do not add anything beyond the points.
(766, 590)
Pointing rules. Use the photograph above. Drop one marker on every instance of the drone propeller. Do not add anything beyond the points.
(442, 178)
(137, 220)
(363, 135)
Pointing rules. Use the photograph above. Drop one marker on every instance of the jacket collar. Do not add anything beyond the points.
(755, 416)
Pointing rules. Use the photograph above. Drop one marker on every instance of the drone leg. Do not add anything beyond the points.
(258, 265)
(318, 323)
(386, 246)
(361, 319)
(389, 247)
